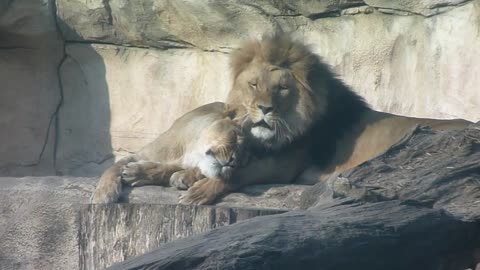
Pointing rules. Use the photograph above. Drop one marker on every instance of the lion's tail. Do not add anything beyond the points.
(109, 186)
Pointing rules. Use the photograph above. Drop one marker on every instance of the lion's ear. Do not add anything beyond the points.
(302, 82)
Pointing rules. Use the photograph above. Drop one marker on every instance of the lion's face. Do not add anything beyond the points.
(223, 151)
(278, 108)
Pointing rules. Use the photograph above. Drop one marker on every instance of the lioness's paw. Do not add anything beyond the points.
(130, 171)
(98, 198)
(203, 192)
(132, 174)
(182, 179)
(107, 193)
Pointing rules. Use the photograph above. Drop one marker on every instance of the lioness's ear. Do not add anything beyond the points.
(230, 111)
(236, 113)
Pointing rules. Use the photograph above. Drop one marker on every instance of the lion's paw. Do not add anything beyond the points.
(182, 180)
(204, 191)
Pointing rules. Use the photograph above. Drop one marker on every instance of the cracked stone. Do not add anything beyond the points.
(30, 52)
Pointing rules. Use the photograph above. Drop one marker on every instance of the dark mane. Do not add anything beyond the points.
(344, 110)
(279, 49)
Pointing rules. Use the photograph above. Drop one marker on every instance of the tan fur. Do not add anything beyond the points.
(205, 191)
(371, 136)
(186, 178)
(205, 137)
(317, 112)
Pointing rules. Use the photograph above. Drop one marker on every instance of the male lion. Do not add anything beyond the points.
(297, 115)
(202, 143)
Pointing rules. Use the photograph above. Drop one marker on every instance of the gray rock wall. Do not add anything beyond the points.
(30, 52)
(39, 221)
(131, 67)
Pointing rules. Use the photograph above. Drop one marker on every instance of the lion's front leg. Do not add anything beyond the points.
(205, 191)
(143, 173)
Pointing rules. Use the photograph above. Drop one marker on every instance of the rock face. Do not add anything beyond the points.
(39, 221)
(172, 52)
(413, 207)
(127, 97)
(130, 68)
(421, 7)
(45, 223)
(31, 50)
(114, 233)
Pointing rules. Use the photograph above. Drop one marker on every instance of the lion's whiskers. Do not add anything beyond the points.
(244, 120)
(283, 129)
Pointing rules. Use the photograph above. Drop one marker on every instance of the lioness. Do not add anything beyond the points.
(203, 143)
(298, 115)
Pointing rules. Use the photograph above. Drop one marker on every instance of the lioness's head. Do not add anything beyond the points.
(223, 149)
(271, 82)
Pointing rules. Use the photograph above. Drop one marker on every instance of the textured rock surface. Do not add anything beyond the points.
(44, 222)
(39, 221)
(413, 207)
(261, 196)
(30, 52)
(422, 7)
(212, 25)
(411, 65)
(114, 233)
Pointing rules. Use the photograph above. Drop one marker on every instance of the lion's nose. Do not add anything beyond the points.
(265, 109)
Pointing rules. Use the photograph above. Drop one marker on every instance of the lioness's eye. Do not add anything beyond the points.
(253, 85)
(209, 152)
(284, 91)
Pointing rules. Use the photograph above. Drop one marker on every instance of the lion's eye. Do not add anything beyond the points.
(209, 152)
(253, 85)
(284, 91)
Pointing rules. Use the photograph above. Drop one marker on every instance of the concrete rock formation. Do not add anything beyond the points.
(45, 222)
